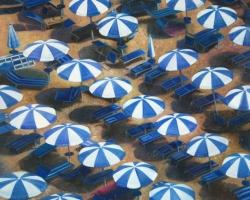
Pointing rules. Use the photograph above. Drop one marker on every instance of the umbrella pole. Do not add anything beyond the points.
(215, 109)
(62, 9)
(180, 74)
(177, 139)
(68, 153)
(81, 90)
(209, 160)
(92, 32)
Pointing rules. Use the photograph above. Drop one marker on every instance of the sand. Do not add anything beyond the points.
(81, 111)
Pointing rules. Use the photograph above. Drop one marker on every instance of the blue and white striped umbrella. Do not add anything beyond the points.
(9, 96)
(212, 78)
(207, 145)
(176, 124)
(216, 17)
(67, 134)
(111, 87)
(238, 98)
(32, 116)
(21, 185)
(184, 5)
(171, 191)
(63, 196)
(240, 35)
(46, 51)
(117, 25)
(236, 165)
(178, 59)
(151, 48)
(13, 40)
(89, 8)
(79, 70)
(102, 154)
(144, 106)
(134, 175)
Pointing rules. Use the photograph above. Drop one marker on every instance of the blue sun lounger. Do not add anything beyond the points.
(115, 118)
(167, 149)
(173, 82)
(106, 111)
(185, 90)
(140, 129)
(153, 74)
(3, 117)
(212, 177)
(165, 12)
(43, 150)
(139, 53)
(242, 193)
(241, 57)
(69, 95)
(149, 138)
(34, 17)
(141, 68)
(6, 128)
(239, 120)
(24, 141)
(179, 156)
(76, 172)
(97, 178)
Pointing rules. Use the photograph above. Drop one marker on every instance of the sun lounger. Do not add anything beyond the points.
(68, 23)
(141, 68)
(153, 74)
(200, 169)
(179, 157)
(34, 3)
(168, 149)
(247, 67)
(212, 177)
(34, 17)
(49, 173)
(149, 138)
(242, 193)
(241, 57)
(68, 95)
(173, 82)
(6, 128)
(82, 33)
(3, 117)
(239, 120)
(99, 177)
(165, 12)
(206, 43)
(139, 53)
(77, 172)
(140, 129)
(185, 90)
(24, 141)
(115, 118)
(106, 111)
(43, 150)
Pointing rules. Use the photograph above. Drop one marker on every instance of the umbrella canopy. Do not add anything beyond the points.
(134, 175)
(207, 145)
(111, 87)
(171, 191)
(89, 8)
(151, 49)
(238, 98)
(9, 96)
(240, 35)
(236, 165)
(178, 59)
(79, 70)
(13, 40)
(212, 78)
(184, 5)
(117, 25)
(46, 51)
(21, 185)
(32, 116)
(176, 124)
(63, 196)
(144, 106)
(67, 134)
(216, 17)
(102, 154)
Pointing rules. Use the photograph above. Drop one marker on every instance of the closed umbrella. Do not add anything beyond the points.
(13, 41)
(151, 49)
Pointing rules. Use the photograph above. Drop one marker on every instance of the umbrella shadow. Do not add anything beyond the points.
(175, 172)
(152, 89)
(221, 59)
(62, 34)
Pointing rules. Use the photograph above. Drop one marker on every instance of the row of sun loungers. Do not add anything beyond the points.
(139, 130)
(151, 75)
(179, 156)
(80, 171)
(6, 128)
(99, 177)
(106, 111)
(212, 177)
(142, 68)
(167, 149)
(173, 82)
(43, 150)
(245, 56)
(242, 193)
(150, 137)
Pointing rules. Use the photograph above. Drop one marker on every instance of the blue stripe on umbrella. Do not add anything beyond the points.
(240, 35)
(9, 96)
(13, 40)
(63, 196)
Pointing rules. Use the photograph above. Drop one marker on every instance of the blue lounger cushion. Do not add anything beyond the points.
(43, 150)
(153, 74)
(99, 177)
(115, 118)
(68, 95)
(6, 128)
(185, 90)
(239, 120)
(33, 16)
(165, 12)
(140, 129)
(211, 177)
(241, 57)
(179, 156)
(141, 68)
(168, 148)
(149, 137)
(106, 111)
(173, 82)
(76, 172)
(133, 56)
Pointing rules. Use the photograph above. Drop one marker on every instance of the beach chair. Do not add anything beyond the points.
(167, 149)
(97, 178)
(247, 67)
(161, 13)
(132, 56)
(239, 120)
(23, 142)
(6, 128)
(242, 193)
(34, 3)
(173, 82)
(43, 150)
(141, 68)
(241, 57)
(185, 90)
(207, 43)
(68, 23)
(179, 157)
(140, 129)
(77, 172)
(68, 95)
(49, 173)
(150, 137)
(153, 74)
(34, 17)
(212, 177)
(106, 111)
(115, 118)
(82, 33)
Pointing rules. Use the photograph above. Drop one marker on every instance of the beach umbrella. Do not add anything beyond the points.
(117, 25)
(63, 196)
(151, 49)
(240, 35)
(216, 17)
(9, 96)
(111, 87)
(134, 175)
(171, 191)
(236, 165)
(13, 40)
(21, 185)
(46, 51)
(238, 98)
(102, 154)
(32, 116)
(212, 78)
(144, 106)
(79, 70)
